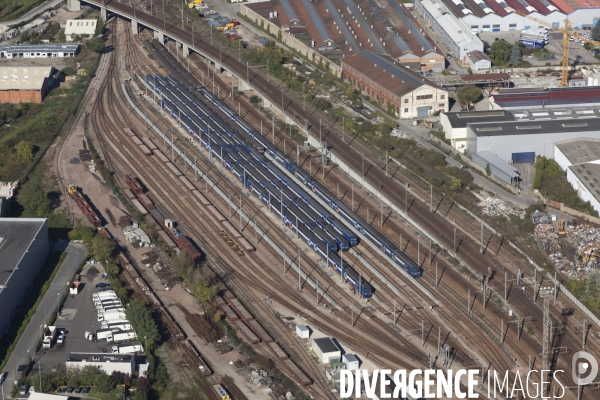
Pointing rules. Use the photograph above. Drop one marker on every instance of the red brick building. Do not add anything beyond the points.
(24, 84)
(411, 95)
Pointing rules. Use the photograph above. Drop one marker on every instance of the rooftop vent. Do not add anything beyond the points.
(523, 127)
(575, 125)
(491, 129)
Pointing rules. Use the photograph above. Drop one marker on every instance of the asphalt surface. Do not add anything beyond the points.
(25, 348)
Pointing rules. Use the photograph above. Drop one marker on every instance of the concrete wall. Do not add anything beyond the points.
(562, 161)
(290, 41)
(12, 295)
(457, 136)
(504, 145)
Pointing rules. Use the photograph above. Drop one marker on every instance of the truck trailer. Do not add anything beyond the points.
(127, 348)
(49, 336)
(123, 325)
(124, 336)
(111, 316)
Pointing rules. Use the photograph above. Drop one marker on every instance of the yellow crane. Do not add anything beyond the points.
(566, 30)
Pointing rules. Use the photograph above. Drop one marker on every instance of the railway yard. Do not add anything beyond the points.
(404, 285)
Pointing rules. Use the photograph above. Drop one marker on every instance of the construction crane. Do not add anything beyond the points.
(566, 30)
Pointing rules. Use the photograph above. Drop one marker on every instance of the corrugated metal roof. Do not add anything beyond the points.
(499, 163)
(27, 78)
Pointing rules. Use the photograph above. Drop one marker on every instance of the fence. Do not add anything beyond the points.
(565, 209)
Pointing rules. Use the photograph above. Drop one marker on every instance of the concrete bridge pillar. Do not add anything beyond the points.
(134, 26)
(185, 50)
(218, 68)
(266, 102)
(73, 5)
(159, 37)
(103, 13)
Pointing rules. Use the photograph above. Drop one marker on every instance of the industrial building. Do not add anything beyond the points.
(43, 50)
(581, 159)
(478, 61)
(498, 167)
(326, 350)
(23, 250)
(453, 32)
(500, 16)
(521, 141)
(526, 98)
(455, 124)
(24, 84)
(410, 94)
(109, 363)
(80, 27)
(352, 362)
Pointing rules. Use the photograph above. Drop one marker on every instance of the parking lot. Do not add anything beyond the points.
(78, 316)
(577, 52)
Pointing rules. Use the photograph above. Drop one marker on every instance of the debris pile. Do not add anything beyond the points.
(7, 189)
(136, 234)
(260, 378)
(494, 206)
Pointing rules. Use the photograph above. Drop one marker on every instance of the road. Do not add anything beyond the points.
(4, 26)
(422, 135)
(25, 347)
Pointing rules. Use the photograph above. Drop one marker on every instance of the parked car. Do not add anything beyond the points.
(54, 368)
(61, 339)
(21, 369)
(24, 389)
(102, 285)
(32, 390)
(2, 377)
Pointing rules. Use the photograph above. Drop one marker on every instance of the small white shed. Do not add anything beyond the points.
(302, 331)
(351, 361)
(325, 349)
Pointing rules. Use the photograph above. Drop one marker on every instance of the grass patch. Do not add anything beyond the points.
(13, 9)
(552, 182)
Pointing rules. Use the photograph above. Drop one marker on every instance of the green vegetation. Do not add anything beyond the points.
(552, 182)
(27, 130)
(596, 32)
(198, 284)
(488, 170)
(515, 55)
(500, 52)
(468, 94)
(13, 9)
(140, 316)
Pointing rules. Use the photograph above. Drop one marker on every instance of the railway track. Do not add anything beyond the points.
(255, 286)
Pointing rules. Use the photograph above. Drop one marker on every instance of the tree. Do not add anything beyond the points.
(183, 263)
(24, 151)
(61, 38)
(102, 248)
(596, 32)
(468, 94)
(488, 170)
(515, 54)
(203, 291)
(100, 26)
(34, 200)
(103, 383)
(96, 45)
(500, 52)
(455, 184)
(24, 37)
(83, 233)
